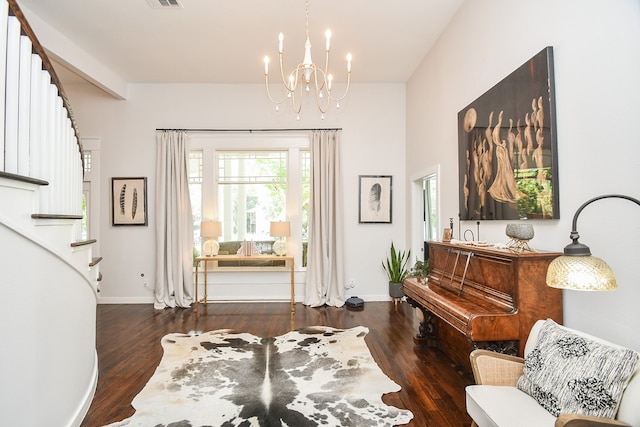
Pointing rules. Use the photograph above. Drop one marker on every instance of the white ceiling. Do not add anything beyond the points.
(224, 41)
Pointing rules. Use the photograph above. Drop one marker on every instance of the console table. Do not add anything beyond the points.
(215, 258)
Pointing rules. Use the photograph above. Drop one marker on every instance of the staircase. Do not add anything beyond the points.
(48, 276)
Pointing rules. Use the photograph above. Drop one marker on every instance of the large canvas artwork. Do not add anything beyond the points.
(507, 147)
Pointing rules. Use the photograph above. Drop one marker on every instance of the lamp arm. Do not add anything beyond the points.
(576, 248)
(574, 226)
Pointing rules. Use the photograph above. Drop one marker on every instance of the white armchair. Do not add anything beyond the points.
(496, 400)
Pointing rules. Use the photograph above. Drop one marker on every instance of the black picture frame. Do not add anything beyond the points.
(517, 176)
(129, 201)
(375, 193)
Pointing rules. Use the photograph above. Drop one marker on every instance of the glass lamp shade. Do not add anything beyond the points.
(582, 273)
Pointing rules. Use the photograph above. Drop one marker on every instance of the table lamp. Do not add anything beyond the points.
(281, 229)
(210, 230)
(577, 269)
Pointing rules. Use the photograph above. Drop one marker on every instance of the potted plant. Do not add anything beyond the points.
(396, 269)
(420, 270)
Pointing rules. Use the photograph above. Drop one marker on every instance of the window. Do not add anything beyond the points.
(425, 210)
(86, 160)
(248, 181)
(430, 208)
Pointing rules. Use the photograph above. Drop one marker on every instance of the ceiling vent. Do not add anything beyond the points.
(165, 4)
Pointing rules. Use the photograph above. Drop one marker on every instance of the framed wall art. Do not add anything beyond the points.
(375, 199)
(129, 201)
(507, 148)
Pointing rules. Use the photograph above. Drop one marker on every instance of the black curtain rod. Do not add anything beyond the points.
(248, 130)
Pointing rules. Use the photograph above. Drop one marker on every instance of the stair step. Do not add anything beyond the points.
(83, 243)
(55, 216)
(95, 261)
(23, 178)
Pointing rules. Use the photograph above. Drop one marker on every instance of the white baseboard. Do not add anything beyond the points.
(234, 298)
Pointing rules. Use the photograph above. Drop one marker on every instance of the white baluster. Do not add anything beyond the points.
(4, 17)
(11, 96)
(24, 101)
(35, 140)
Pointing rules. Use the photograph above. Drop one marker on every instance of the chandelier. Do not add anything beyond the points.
(307, 77)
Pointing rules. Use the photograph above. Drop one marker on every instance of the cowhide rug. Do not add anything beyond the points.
(317, 376)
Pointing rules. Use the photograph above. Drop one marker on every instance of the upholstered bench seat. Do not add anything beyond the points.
(495, 405)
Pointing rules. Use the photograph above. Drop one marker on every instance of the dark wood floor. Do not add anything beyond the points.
(128, 343)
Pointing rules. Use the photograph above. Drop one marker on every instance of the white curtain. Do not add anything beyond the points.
(325, 254)
(174, 223)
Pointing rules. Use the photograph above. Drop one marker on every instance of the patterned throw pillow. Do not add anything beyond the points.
(567, 373)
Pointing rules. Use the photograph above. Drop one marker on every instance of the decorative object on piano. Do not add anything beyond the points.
(281, 229)
(210, 230)
(396, 269)
(420, 270)
(507, 147)
(520, 235)
(577, 269)
(248, 249)
(375, 199)
(447, 234)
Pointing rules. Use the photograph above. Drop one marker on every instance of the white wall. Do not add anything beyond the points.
(597, 67)
(373, 142)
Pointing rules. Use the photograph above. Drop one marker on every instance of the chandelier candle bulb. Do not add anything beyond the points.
(266, 65)
(280, 42)
(328, 34)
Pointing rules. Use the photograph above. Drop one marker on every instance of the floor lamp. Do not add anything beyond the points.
(577, 269)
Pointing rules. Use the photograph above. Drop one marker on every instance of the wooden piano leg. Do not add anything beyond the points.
(504, 347)
(427, 333)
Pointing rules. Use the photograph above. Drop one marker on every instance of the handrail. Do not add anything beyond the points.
(15, 10)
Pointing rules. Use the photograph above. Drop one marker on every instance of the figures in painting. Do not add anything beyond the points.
(498, 157)
(504, 187)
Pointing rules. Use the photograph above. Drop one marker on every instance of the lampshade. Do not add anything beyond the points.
(210, 229)
(577, 269)
(280, 229)
(581, 273)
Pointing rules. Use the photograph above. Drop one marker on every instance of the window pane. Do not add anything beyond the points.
(251, 193)
(195, 193)
(305, 166)
(86, 159)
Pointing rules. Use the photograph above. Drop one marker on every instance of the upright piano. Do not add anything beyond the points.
(481, 297)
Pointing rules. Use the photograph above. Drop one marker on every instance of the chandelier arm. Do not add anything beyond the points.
(296, 109)
(323, 81)
(323, 108)
(346, 91)
(284, 97)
